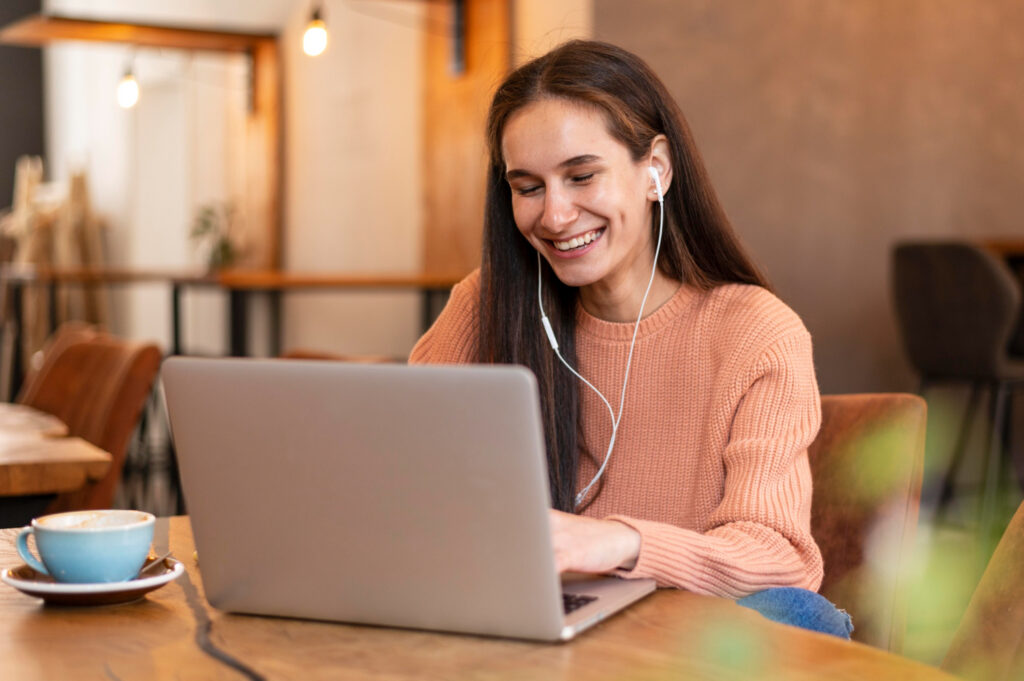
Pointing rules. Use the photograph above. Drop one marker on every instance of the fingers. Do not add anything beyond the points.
(573, 544)
(583, 544)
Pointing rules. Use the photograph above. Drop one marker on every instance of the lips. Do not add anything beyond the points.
(579, 242)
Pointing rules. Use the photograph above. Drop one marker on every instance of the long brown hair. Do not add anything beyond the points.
(698, 248)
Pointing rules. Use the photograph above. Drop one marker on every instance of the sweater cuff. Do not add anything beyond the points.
(731, 565)
(680, 558)
(677, 557)
(639, 569)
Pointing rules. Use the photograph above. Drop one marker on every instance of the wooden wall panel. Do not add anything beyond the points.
(265, 159)
(455, 110)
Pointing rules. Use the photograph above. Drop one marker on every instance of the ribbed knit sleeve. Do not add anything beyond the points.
(452, 337)
(758, 535)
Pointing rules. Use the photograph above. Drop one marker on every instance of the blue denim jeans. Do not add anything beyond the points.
(800, 608)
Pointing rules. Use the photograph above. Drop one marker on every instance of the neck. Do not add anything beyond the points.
(620, 301)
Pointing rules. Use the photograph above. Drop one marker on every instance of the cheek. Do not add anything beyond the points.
(613, 198)
(524, 215)
(633, 203)
(612, 203)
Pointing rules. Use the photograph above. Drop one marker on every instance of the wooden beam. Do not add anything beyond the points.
(264, 176)
(454, 115)
(38, 30)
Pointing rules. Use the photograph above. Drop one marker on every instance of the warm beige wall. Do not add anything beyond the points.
(832, 129)
(149, 167)
(352, 161)
(352, 173)
(539, 25)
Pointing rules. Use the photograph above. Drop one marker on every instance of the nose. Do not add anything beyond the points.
(559, 210)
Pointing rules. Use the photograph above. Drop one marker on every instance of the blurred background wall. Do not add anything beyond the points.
(351, 129)
(833, 129)
(353, 195)
(830, 129)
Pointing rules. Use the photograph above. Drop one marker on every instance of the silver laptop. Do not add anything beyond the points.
(376, 494)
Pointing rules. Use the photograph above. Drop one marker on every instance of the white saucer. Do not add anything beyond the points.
(28, 581)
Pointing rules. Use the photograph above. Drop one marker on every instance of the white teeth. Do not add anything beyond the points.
(576, 242)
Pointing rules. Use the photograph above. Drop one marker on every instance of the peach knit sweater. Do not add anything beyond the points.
(710, 463)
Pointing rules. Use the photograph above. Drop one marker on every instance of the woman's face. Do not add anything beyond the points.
(578, 196)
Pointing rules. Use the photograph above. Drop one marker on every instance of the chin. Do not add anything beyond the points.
(575, 278)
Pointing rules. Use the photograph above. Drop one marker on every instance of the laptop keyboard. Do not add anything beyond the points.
(572, 602)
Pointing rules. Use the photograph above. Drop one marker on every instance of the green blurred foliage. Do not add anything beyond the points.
(212, 227)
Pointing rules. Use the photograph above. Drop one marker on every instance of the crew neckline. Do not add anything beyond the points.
(684, 297)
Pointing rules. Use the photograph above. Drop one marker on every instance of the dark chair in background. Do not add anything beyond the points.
(96, 384)
(989, 643)
(958, 308)
(867, 464)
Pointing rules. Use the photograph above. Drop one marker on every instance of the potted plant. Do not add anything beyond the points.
(211, 229)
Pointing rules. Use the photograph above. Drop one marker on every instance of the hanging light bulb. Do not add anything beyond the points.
(314, 40)
(128, 90)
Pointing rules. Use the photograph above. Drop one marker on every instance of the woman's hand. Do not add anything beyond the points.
(588, 545)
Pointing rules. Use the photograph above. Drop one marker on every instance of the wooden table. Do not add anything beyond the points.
(37, 458)
(240, 285)
(173, 633)
(14, 278)
(37, 461)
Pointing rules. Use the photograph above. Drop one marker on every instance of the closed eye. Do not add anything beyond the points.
(526, 191)
(530, 189)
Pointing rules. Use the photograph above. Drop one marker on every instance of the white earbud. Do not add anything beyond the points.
(657, 182)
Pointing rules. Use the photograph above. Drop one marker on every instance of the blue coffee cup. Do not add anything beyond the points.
(89, 547)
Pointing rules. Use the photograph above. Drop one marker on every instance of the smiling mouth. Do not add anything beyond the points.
(580, 241)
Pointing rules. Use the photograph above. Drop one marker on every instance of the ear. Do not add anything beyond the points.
(661, 160)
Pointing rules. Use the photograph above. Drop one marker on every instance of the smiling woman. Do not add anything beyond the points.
(599, 213)
(582, 202)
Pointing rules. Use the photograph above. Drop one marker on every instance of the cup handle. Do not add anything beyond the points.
(25, 554)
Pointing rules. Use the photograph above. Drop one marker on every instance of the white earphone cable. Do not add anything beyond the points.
(629, 360)
(558, 354)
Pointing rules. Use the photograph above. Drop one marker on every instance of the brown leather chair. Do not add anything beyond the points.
(867, 464)
(989, 643)
(98, 385)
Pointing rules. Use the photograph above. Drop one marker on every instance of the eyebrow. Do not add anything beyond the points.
(568, 163)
